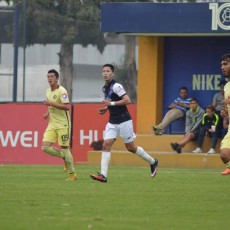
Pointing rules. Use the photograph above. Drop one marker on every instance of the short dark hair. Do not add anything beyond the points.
(54, 72)
(211, 107)
(193, 99)
(222, 83)
(225, 57)
(183, 88)
(110, 66)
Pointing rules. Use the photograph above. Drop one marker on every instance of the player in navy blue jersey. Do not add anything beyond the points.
(120, 123)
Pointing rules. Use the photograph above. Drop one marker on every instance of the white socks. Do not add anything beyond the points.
(145, 156)
(105, 159)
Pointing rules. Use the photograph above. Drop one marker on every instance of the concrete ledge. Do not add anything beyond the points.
(162, 143)
(166, 160)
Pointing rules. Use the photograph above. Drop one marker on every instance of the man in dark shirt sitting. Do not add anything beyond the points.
(210, 126)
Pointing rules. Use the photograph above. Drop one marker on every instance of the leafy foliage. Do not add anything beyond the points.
(68, 22)
(62, 21)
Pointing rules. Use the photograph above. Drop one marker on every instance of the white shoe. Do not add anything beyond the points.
(197, 150)
(211, 151)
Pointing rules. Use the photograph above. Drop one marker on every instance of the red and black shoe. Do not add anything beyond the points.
(153, 168)
(99, 177)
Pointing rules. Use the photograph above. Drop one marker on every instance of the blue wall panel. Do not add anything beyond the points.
(165, 18)
(193, 62)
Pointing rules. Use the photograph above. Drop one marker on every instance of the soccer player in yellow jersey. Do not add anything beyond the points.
(225, 144)
(59, 126)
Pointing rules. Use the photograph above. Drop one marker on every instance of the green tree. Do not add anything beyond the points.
(74, 21)
(66, 22)
(126, 70)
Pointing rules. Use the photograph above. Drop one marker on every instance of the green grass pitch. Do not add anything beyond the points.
(38, 198)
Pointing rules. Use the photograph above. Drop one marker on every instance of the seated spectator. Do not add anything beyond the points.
(225, 118)
(218, 97)
(193, 120)
(177, 110)
(210, 126)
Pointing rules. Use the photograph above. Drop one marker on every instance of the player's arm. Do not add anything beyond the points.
(102, 110)
(62, 106)
(226, 122)
(125, 100)
(46, 115)
(226, 101)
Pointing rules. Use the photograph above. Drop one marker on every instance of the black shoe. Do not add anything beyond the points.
(99, 177)
(157, 131)
(174, 146)
(178, 149)
(153, 168)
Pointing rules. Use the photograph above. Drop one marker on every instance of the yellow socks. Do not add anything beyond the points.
(65, 154)
(68, 159)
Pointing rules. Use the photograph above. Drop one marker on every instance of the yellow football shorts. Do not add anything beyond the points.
(62, 136)
(225, 143)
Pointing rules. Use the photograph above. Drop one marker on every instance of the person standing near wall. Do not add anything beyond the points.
(217, 101)
(225, 144)
(120, 123)
(218, 97)
(59, 126)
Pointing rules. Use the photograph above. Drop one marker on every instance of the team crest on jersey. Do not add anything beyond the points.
(120, 89)
(64, 96)
(55, 97)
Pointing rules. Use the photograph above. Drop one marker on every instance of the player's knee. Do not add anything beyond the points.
(45, 149)
(225, 155)
(131, 149)
(106, 146)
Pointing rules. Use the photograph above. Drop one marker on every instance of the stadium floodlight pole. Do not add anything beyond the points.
(15, 79)
(24, 50)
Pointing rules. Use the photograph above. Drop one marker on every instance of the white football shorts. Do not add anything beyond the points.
(124, 129)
